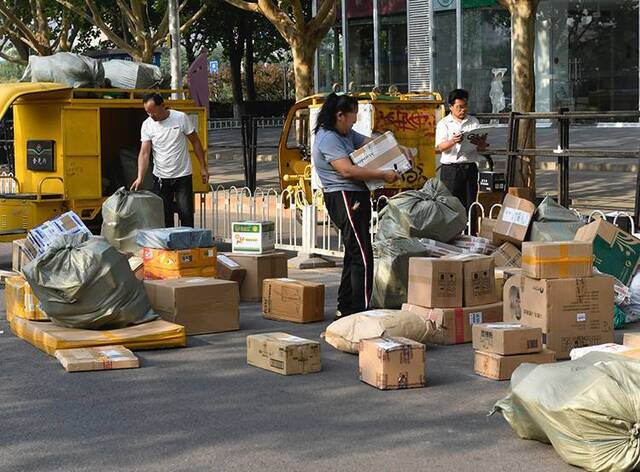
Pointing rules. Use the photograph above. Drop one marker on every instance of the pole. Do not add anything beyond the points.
(316, 55)
(174, 35)
(376, 44)
(345, 48)
(459, 43)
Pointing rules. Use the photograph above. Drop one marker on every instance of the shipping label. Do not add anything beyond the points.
(517, 217)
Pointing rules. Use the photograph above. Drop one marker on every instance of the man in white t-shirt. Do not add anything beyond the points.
(165, 133)
(459, 148)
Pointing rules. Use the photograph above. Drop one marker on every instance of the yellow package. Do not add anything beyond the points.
(20, 300)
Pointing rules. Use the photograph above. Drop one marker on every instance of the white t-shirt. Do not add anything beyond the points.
(461, 152)
(169, 144)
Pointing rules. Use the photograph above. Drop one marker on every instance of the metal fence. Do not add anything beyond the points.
(233, 123)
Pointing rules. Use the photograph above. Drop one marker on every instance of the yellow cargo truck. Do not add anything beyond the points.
(68, 147)
(411, 117)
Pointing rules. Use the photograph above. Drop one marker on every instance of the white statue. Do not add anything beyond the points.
(496, 92)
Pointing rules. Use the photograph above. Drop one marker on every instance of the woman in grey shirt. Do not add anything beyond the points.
(346, 196)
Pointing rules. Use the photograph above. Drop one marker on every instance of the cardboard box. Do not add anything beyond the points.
(228, 269)
(486, 228)
(97, 358)
(153, 273)
(202, 305)
(507, 338)
(194, 258)
(631, 340)
(435, 282)
(526, 193)
(503, 274)
(382, 153)
(293, 300)
(479, 279)
(507, 255)
(557, 260)
(50, 337)
(253, 237)
(391, 363)
(490, 181)
(6, 274)
(20, 300)
(21, 254)
(615, 252)
(512, 308)
(572, 313)
(259, 267)
(283, 353)
(41, 237)
(613, 348)
(514, 220)
(453, 325)
(497, 367)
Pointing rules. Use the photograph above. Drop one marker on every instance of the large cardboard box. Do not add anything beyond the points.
(507, 338)
(486, 227)
(97, 358)
(557, 260)
(435, 282)
(523, 192)
(259, 267)
(41, 237)
(253, 237)
(479, 279)
(507, 255)
(453, 325)
(572, 313)
(21, 254)
(154, 273)
(513, 220)
(631, 340)
(497, 367)
(382, 153)
(293, 300)
(613, 348)
(50, 337)
(228, 269)
(283, 353)
(615, 252)
(391, 363)
(201, 304)
(20, 300)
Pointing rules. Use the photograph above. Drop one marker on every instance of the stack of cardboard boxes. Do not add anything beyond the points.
(558, 293)
(454, 293)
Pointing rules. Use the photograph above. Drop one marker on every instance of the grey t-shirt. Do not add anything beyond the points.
(329, 146)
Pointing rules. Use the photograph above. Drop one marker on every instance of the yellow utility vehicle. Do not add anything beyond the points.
(69, 150)
(411, 117)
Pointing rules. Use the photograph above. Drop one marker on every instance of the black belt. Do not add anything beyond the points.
(460, 164)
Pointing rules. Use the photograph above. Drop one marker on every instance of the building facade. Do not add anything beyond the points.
(587, 52)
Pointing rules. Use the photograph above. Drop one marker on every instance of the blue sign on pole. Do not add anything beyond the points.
(213, 67)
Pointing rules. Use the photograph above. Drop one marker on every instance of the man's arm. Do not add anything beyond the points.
(143, 164)
(197, 148)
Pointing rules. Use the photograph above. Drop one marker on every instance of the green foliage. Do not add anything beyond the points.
(10, 72)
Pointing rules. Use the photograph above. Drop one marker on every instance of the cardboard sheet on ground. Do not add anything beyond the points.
(588, 409)
(49, 337)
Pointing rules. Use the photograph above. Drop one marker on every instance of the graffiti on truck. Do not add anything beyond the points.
(401, 120)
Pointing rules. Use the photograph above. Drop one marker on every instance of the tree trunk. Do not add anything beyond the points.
(303, 60)
(248, 68)
(236, 50)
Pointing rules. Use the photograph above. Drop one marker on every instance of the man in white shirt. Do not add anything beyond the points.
(165, 133)
(459, 149)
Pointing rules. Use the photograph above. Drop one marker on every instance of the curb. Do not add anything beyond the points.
(259, 158)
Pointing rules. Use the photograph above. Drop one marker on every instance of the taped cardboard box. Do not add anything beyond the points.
(631, 340)
(49, 337)
(259, 267)
(612, 348)
(514, 220)
(479, 286)
(435, 282)
(4, 275)
(615, 252)
(154, 273)
(283, 353)
(507, 338)
(497, 367)
(486, 228)
(503, 274)
(381, 153)
(20, 300)
(193, 258)
(22, 253)
(202, 305)
(572, 313)
(507, 255)
(453, 325)
(228, 269)
(293, 300)
(97, 358)
(557, 260)
(253, 237)
(391, 363)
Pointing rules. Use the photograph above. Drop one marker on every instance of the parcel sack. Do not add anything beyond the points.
(84, 282)
(431, 212)
(391, 270)
(73, 70)
(553, 222)
(124, 213)
(345, 334)
(587, 409)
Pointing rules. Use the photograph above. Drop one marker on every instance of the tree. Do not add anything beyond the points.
(135, 26)
(302, 32)
(523, 30)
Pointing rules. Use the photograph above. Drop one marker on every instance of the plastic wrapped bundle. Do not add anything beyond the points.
(391, 273)
(431, 212)
(586, 408)
(84, 282)
(132, 75)
(181, 237)
(437, 249)
(124, 213)
(553, 222)
(474, 244)
(74, 70)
